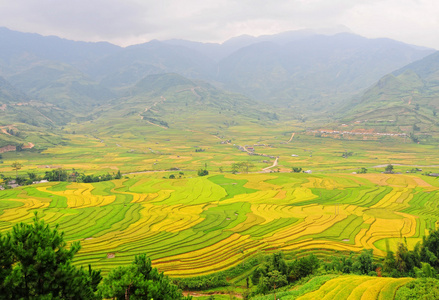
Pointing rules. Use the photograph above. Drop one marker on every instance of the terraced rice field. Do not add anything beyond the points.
(357, 287)
(196, 226)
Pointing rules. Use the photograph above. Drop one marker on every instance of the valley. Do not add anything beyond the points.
(212, 160)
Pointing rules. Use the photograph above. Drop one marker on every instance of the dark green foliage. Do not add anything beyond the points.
(172, 176)
(63, 175)
(139, 281)
(426, 271)
(242, 167)
(389, 169)
(94, 178)
(430, 250)
(203, 172)
(35, 264)
(405, 260)
(389, 265)
(202, 282)
(271, 274)
(32, 176)
(56, 175)
(275, 272)
(21, 180)
(413, 137)
(273, 279)
(363, 170)
(362, 264)
(341, 264)
(303, 267)
(425, 288)
(118, 175)
(346, 154)
(296, 169)
(422, 261)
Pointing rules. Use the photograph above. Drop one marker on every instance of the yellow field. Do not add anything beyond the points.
(353, 287)
(195, 226)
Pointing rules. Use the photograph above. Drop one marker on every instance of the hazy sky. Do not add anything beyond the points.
(126, 22)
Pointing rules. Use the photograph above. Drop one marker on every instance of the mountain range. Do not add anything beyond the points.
(49, 81)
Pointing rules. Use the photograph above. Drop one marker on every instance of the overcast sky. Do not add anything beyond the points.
(126, 22)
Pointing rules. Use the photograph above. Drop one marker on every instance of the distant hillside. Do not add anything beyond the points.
(10, 94)
(18, 50)
(316, 72)
(49, 82)
(306, 71)
(405, 101)
(131, 64)
(61, 85)
(175, 102)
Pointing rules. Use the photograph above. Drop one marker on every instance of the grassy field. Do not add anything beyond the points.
(199, 225)
(149, 148)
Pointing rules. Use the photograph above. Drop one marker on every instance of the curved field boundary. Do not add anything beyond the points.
(195, 226)
(354, 287)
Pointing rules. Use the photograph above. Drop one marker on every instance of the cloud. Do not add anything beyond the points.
(135, 21)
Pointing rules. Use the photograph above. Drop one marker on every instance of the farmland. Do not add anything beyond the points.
(193, 226)
(344, 287)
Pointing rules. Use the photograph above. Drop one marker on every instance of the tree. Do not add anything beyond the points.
(203, 172)
(364, 263)
(389, 169)
(35, 264)
(273, 280)
(57, 175)
(32, 176)
(118, 175)
(304, 266)
(363, 170)
(16, 166)
(242, 167)
(139, 281)
(296, 169)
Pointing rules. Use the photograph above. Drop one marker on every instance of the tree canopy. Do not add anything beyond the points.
(35, 264)
(139, 281)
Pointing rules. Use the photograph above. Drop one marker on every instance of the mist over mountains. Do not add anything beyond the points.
(301, 71)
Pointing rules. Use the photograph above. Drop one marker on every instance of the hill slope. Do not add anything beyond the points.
(316, 72)
(404, 101)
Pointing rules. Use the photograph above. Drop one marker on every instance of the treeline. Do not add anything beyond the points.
(63, 175)
(55, 175)
(35, 264)
(421, 262)
(275, 272)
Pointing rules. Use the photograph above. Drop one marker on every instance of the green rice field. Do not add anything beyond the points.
(198, 225)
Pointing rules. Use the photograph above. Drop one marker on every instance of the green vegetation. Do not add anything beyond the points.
(425, 288)
(300, 199)
(139, 281)
(35, 263)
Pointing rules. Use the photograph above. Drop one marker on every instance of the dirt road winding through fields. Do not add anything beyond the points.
(291, 138)
(267, 169)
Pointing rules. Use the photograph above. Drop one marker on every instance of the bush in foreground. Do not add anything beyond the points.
(139, 281)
